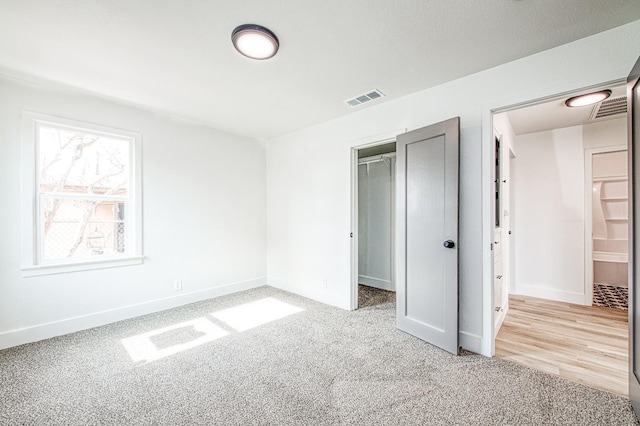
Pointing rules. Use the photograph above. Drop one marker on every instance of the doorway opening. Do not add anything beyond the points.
(375, 217)
(561, 234)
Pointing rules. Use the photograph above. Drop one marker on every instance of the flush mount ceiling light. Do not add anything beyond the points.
(588, 99)
(255, 41)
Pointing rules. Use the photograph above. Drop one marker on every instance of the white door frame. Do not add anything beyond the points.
(501, 315)
(488, 110)
(588, 216)
(355, 147)
(513, 215)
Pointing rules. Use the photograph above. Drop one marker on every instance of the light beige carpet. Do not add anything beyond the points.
(267, 357)
(370, 296)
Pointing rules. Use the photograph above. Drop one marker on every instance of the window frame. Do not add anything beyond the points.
(33, 263)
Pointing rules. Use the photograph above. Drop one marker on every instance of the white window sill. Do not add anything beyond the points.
(63, 268)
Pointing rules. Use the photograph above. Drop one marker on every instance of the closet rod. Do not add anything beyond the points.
(376, 158)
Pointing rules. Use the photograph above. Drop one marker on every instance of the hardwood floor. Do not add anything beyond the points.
(581, 343)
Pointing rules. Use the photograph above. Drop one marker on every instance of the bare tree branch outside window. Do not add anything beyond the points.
(83, 185)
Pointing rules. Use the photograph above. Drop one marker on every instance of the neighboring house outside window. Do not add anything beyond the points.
(82, 194)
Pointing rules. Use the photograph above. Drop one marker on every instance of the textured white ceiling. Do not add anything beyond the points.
(176, 57)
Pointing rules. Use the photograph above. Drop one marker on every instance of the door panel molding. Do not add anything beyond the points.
(427, 167)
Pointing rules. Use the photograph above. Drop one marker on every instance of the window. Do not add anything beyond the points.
(82, 193)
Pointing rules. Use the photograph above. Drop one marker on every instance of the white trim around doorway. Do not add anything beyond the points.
(488, 110)
(355, 147)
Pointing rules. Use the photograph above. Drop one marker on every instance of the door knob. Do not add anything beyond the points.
(449, 244)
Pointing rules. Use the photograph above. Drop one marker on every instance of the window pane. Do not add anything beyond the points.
(82, 163)
(76, 229)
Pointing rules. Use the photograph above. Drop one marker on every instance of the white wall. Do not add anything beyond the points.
(375, 200)
(204, 205)
(308, 172)
(605, 133)
(550, 206)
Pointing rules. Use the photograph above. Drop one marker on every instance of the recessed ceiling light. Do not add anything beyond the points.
(255, 41)
(588, 99)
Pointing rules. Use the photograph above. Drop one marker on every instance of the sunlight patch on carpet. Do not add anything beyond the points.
(167, 341)
(254, 314)
(163, 342)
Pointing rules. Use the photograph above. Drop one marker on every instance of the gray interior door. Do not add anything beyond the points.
(633, 93)
(427, 233)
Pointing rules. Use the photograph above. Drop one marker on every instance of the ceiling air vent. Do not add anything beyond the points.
(364, 98)
(609, 107)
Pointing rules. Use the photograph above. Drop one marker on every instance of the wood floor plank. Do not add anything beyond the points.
(586, 344)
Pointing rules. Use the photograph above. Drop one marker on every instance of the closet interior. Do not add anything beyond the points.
(610, 220)
(376, 202)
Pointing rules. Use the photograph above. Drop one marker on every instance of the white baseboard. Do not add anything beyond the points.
(317, 294)
(376, 282)
(551, 294)
(35, 333)
(470, 342)
(70, 325)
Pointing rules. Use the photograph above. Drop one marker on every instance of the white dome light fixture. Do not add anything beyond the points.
(255, 41)
(588, 99)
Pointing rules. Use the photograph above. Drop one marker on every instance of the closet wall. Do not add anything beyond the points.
(375, 217)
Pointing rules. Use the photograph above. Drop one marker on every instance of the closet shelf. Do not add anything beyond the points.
(620, 178)
(610, 257)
